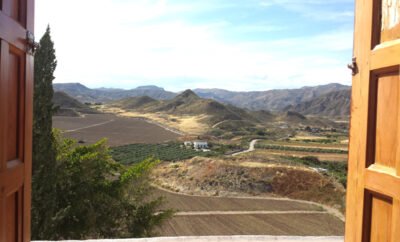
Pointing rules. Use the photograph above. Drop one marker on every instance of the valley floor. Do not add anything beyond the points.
(92, 128)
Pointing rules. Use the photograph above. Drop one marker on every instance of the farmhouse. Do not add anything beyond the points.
(200, 145)
(187, 143)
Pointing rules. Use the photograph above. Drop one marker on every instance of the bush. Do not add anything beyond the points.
(98, 198)
(335, 168)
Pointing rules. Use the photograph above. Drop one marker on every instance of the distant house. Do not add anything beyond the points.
(187, 143)
(200, 145)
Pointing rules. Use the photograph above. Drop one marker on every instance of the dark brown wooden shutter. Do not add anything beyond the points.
(16, 95)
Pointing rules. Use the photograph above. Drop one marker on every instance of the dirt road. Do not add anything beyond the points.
(90, 126)
(250, 149)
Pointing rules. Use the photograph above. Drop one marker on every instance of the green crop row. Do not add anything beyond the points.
(134, 153)
(291, 148)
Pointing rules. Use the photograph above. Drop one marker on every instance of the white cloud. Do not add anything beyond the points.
(119, 43)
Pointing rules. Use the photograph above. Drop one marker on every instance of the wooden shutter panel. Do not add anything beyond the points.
(16, 96)
(373, 194)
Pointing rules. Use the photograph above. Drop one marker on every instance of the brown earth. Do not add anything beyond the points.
(244, 176)
(207, 215)
(182, 202)
(261, 224)
(119, 130)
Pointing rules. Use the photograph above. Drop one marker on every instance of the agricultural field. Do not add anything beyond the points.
(91, 128)
(317, 224)
(185, 203)
(201, 215)
(172, 151)
(320, 156)
(305, 147)
(189, 124)
(252, 175)
(300, 148)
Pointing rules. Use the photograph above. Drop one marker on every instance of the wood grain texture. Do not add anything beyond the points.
(358, 122)
(396, 220)
(381, 219)
(382, 182)
(387, 113)
(26, 226)
(385, 55)
(11, 218)
(373, 142)
(16, 89)
(12, 32)
(13, 107)
(29, 12)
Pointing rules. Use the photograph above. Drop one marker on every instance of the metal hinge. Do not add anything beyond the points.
(31, 45)
(353, 66)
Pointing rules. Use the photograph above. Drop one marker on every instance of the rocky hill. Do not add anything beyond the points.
(186, 103)
(219, 118)
(272, 100)
(68, 106)
(334, 105)
(102, 95)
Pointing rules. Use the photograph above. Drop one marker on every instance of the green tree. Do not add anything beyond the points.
(97, 197)
(44, 144)
(79, 192)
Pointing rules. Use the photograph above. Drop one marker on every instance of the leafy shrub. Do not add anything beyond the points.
(336, 168)
(98, 198)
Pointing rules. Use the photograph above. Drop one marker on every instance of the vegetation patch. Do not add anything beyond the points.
(316, 150)
(335, 168)
(134, 153)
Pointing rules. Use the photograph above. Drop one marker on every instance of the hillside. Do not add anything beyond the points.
(272, 100)
(186, 103)
(208, 116)
(334, 105)
(102, 95)
(68, 106)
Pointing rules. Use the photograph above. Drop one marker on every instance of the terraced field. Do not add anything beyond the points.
(246, 216)
(186, 203)
(324, 152)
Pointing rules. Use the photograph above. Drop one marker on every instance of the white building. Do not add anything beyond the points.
(200, 145)
(187, 143)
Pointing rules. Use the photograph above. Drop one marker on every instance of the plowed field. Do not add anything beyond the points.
(119, 130)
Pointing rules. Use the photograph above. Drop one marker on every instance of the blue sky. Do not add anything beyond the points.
(178, 44)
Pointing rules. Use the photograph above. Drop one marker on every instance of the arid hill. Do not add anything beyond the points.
(272, 100)
(334, 104)
(102, 95)
(187, 103)
(68, 106)
(218, 117)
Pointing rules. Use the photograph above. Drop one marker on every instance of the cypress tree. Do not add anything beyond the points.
(44, 143)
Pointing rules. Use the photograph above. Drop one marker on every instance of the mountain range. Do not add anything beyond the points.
(331, 100)
(103, 95)
(334, 104)
(216, 115)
